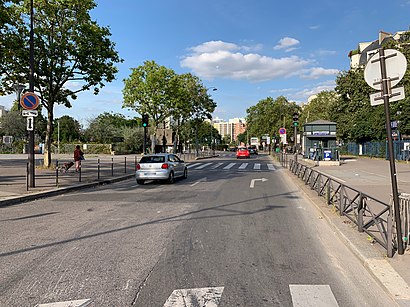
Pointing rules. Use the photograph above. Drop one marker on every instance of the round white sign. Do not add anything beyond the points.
(396, 67)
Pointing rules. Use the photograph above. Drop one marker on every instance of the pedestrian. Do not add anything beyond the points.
(78, 156)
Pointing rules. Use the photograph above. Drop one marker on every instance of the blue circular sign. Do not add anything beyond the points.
(282, 131)
(29, 101)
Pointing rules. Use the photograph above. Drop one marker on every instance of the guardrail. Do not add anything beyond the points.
(370, 215)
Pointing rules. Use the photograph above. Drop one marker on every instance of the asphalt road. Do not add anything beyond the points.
(232, 234)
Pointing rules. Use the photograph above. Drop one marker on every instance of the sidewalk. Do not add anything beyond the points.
(371, 176)
(95, 170)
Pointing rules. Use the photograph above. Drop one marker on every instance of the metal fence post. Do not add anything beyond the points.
(328, 192)
(360, 211)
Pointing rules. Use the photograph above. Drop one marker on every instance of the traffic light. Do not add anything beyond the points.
(145, 120)
(295, 119)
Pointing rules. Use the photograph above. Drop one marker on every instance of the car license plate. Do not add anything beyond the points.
(147, 174)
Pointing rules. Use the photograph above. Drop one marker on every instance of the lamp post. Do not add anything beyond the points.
(18, 88)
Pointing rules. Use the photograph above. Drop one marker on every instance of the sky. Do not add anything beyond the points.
(248, 49)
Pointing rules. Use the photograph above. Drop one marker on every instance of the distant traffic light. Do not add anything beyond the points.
(295, 119)
(145, 120)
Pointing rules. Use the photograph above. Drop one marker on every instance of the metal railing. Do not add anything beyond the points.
(370, 215)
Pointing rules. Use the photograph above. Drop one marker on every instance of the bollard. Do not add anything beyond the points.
(27, 176)
(98, 169)
(57, 173)
(112, 167)
(79, 174)
(125, 165)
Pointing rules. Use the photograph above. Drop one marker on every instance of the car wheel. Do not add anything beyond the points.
(171, 178)
(140, 181)
(185, 173)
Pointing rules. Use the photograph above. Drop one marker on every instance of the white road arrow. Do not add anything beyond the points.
(252, 185)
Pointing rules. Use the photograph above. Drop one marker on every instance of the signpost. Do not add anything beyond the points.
(30, 102)
(382, 75)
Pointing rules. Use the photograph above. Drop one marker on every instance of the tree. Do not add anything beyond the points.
(151, 89)
(353, 113)
(69, 48)
(319, 107)
(69, 129)
(268, 115)
(161, 93)
(108, 126)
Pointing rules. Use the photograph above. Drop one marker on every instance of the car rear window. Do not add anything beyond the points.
(242, 149)
(152, 159)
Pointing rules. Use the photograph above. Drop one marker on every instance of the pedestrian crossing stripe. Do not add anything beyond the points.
(229, 166)
(302, 296)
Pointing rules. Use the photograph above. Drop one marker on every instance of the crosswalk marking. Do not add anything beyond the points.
(243, 165)
(232, 166)
(203, 165)
(206, 297)
(217, 165)
(229, 166)
(312, 295)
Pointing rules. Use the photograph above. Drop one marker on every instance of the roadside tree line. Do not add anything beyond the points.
(73, 54)
(348, 105)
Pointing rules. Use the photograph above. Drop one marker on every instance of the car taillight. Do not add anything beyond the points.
(138, 167)
(165, 166)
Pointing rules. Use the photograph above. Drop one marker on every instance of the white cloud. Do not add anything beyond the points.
(314, 27)
(318, 72)
(304, 94)
(287, 43)
(218, 59)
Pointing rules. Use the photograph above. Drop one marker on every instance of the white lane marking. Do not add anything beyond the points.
(229, 166)
(203, 165)
(243, 165)
(76, 303)
(217, 165)
(312, 295)
(257, 166)
(252, 185)
(204, 297)
(200, 180)
(271, 167)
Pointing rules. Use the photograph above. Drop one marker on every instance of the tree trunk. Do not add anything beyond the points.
(47, 145)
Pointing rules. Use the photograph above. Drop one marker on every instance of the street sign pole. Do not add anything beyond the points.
(393, 175)
(31, 162)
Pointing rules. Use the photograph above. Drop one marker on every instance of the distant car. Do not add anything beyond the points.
(232, 149)
(162, 166)
(242, 152)
(253, 150)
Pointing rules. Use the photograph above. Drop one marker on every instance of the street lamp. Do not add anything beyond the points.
(18, 88)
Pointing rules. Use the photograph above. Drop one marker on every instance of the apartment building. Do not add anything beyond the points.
(365, 50)
(232, 128)
(3, 111)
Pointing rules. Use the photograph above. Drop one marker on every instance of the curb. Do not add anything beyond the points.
(57, 191)
(381, 270)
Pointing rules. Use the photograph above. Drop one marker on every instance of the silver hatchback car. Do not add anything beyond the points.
(161, 166)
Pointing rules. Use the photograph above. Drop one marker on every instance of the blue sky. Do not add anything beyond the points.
(248, 49)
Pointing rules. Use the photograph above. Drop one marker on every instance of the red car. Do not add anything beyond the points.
(242, 152)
